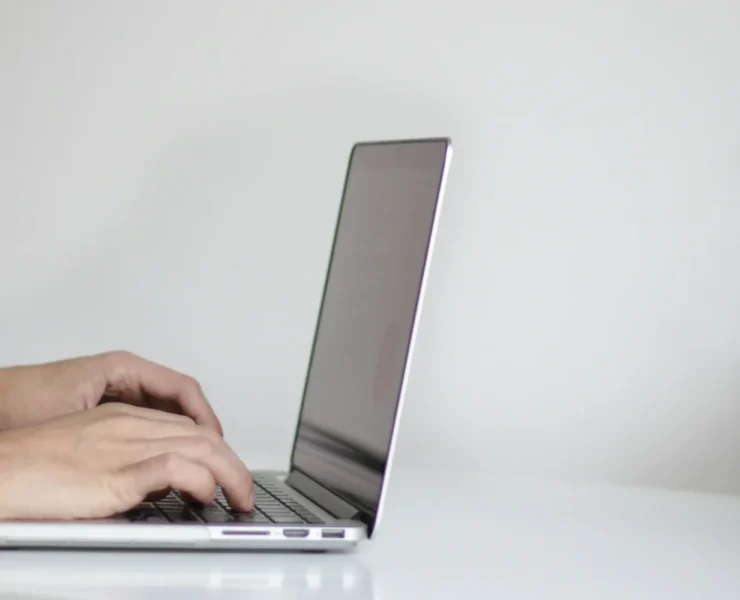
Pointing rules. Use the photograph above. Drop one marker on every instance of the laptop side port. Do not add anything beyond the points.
(245, 531)
(295, 533)
(333, 534)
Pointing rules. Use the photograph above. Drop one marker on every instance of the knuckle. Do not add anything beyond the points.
(203, 446)
(192, 384)
(119, 356)
(128, 421)
(207, 486)
(213, 438)
(124, 423)
(187, 420)
(110, 415)
(119, 408)
(106, 410)
(170, 462)
(123, 496)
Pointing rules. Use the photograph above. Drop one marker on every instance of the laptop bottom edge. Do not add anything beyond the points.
(241, 532)
(131, 536)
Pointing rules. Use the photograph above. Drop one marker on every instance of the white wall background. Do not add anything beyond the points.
(170, 173)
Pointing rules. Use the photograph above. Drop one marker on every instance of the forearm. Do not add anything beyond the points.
(4, 399)
(10, 406)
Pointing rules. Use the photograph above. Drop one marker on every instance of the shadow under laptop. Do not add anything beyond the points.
(73, 575)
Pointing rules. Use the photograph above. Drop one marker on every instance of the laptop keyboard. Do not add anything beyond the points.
(273, 505)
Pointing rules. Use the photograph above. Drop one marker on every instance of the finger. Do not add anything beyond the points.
(147, 425)
(221, 461)
(122, 409)
(139, 480)
(168, 406)
(133, 378)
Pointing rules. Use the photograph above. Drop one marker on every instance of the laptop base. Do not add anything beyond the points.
(329, 534)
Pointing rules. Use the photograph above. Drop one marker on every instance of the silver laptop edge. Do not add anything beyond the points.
(347, 520)
(414, 327)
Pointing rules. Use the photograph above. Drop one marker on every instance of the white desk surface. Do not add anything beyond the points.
(483, 538)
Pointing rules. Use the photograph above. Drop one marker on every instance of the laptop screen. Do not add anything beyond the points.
(367, 315)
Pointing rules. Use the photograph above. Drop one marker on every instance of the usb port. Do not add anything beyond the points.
(295, 533)
(335, 534)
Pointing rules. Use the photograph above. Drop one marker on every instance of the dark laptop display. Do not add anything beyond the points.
(367, 316)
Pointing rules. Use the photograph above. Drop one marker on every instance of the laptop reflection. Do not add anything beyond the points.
(67, 575)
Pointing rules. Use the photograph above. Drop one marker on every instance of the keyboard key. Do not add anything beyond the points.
(309, 518)
(287, 518)
(170, 501)
(212, 513)
(271, 497)
(277, 511)
(145, 513)
(175, 510)
(281, 516)
(273, 505)
(224, 505)
(251, 517)
(181, 515)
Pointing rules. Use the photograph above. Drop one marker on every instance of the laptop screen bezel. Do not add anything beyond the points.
(371, 518)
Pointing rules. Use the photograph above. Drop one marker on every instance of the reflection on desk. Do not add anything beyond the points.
(103, 575)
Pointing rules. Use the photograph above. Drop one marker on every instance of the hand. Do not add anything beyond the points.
(30, 395)
(105, 461)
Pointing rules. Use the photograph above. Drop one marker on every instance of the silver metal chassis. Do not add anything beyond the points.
(121, 534)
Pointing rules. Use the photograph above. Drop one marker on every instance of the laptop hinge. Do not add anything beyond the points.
(325, 498)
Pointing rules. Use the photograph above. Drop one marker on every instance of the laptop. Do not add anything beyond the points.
(332, 496)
